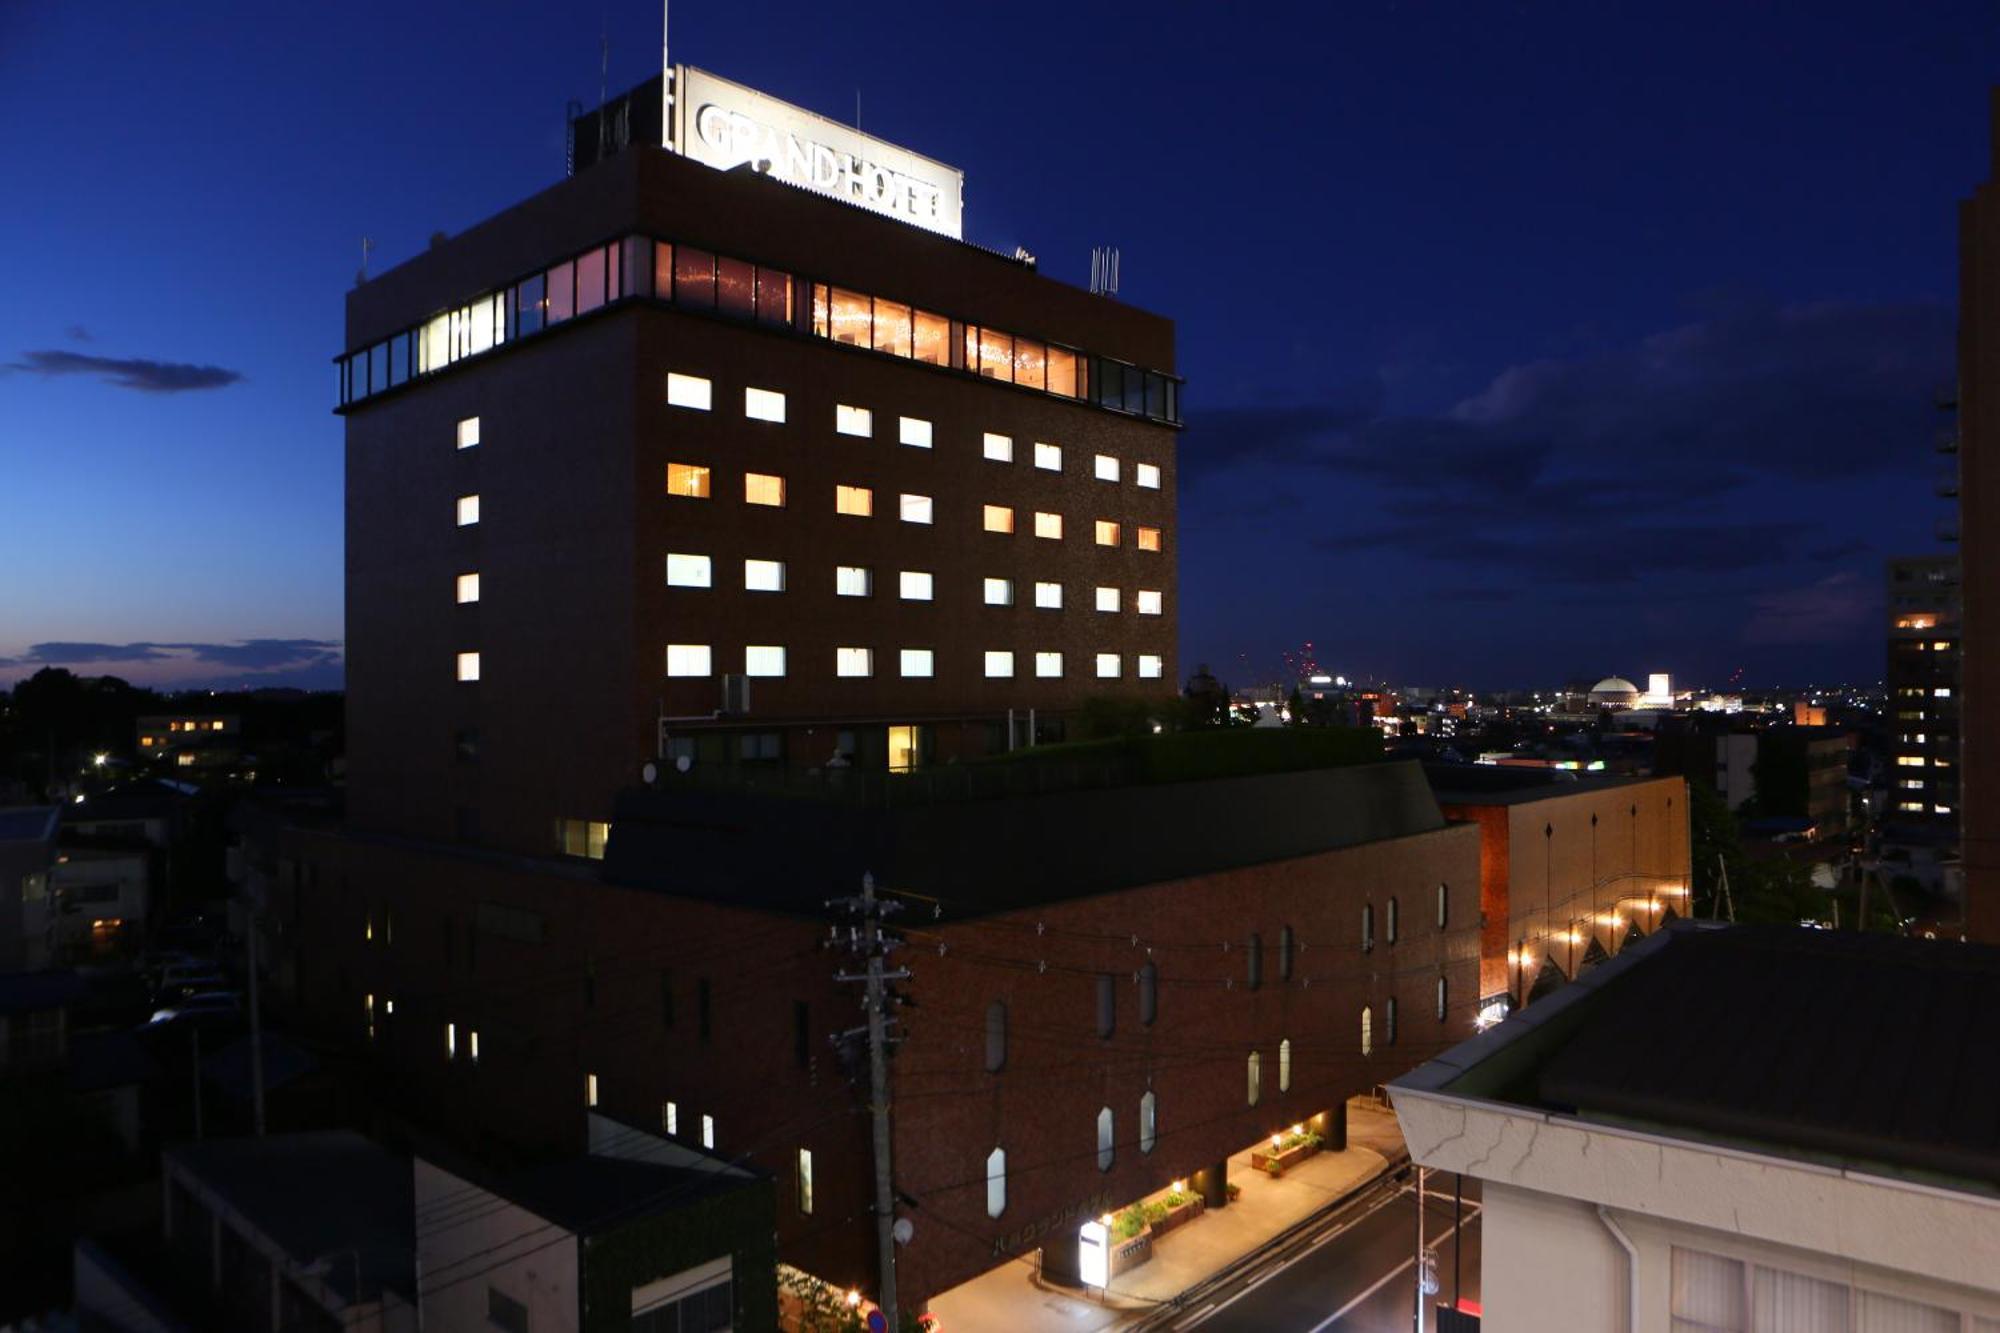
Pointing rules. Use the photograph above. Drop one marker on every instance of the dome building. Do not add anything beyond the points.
(1614, 692)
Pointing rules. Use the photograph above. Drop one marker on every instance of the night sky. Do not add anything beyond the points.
(1523, 342)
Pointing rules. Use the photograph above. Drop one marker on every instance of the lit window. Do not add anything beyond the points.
(708, 1132)
(914, 585)
(1442, 992)
(763, 659)
(451, 1041)
(999, 592)
(688, 391)
(1149, 1124)
(468, 510)
(917, 661)
(1150, 666)
(999, 664)
(1149, 602)
(1941, 692)
(1048, 457)
(1367, 1030)
(472, 1044)
(1285, 1065)
(806, 1181)
(1149, 539)
(1910, 760)
(1048, 525)
(1107, 599)
(916, 508)
(1048, 665)
(998, 448)
(1106, 468)
(856, 500)
(468, 588)
(763, 405)
(468, 432)
(590, 1089)
(1255, 1079)
(764, 575)
(761, 488)
(1147, 475)
(468, 666)
(1104, 1139)
(914, 431)
(996, 1182)
(853, 661)
(1910, 805)
(670, 1117)
(853, 420)
(688, 571)
(1107, 665)
(853, 580)
(996, 518)
(1048, 596)
(1107, 532)
(688, 659)
(687, 479)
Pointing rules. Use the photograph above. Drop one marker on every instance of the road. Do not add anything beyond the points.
(1355, 1277)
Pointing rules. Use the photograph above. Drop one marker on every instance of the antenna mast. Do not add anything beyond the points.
(666, 81)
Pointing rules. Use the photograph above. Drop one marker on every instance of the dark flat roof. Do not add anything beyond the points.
(592, 1194)
(1503, 784)
(315, 1194)
(1872, 1050)
(789, 853)
(29, 823)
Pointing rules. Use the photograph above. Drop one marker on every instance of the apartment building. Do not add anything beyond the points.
(1923, 685)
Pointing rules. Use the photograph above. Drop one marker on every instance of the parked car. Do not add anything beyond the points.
(179, 980)
(205, 1007)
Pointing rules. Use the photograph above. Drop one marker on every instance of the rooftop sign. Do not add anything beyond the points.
(727, 125)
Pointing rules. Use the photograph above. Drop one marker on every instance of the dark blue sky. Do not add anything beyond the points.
(1523, 342)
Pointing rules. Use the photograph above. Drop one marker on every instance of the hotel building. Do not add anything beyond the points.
(675, 464)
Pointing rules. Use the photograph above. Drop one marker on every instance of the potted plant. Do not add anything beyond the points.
(1285, 1150)
(1175, 1207)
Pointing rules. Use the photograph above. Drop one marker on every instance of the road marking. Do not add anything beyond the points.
(1199, 1315)
(1386, 1279)
(1374, 1206)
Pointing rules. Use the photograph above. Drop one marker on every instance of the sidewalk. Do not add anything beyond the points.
(1010, 1300)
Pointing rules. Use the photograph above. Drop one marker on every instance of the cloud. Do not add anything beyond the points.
(127, 372)
(78, 333)
(1821, 612)
(252, 655)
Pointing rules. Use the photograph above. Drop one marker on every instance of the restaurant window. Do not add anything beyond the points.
(694, 277)
(735, 288)
(590, 274)
(689, 480)
(892, 328)
(1063, 366)
(1030, 363)
(996, 353)
(932, 341)
(774, 296)
(852, 317)
(562, 292)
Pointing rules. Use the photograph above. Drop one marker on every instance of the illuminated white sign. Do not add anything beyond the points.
(1093, 1254)
(727, 125)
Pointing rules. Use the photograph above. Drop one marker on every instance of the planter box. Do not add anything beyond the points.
(1127, 1255)
(1175, 1216)
(1289, 1158)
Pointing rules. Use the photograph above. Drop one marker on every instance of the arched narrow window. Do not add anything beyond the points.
(1104, 1139)
(1285, 945)
(1285, 1065)
(1389, 931)
(1253, 961)
(1444, 905)
(1107, 1004)
(1149, 992)
(1441, 998)
(1367, 927)
(996, 1182)
(1256, 1079)
(1367, 1031)
(996, 1036)
(1389, 1021)
(1149, 1122)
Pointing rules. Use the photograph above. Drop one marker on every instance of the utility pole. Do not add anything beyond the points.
(1420, 1250)
(197, 1077)
(256, 1026)
(874, 943)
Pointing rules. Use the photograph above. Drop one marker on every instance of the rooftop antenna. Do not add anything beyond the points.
(1104, 270)
(666, 82)
(603, 82)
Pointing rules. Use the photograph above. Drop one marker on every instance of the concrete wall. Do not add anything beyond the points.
(1546, 1263)
(469, 1240)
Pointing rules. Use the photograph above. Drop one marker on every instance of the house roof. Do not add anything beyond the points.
(29, 823)
(1871, 1050)
(588, 1195)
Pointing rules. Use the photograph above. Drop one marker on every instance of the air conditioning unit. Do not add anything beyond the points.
(736, 695)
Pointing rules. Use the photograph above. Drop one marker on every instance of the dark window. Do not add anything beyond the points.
(466, 741)
(1253, 961)
(667, 1000)
(1389, 926)
(1367, 927)
(801, 1034)
(1389, 1020)
(1149, 992)
(465, 823)
(702, 1011)
(1285, 946)
(531, 304)
(1444, 905)
(996, 1036)
(1107, 1004)
(447, 942)
(774, 296)
(590, 983)
(504, 1312)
